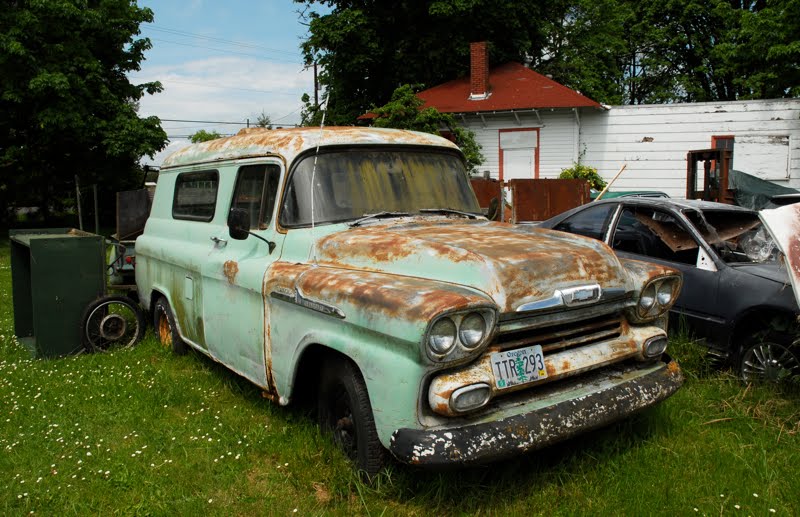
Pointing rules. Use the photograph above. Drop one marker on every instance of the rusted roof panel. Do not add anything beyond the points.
(289, 143)
(513, 87)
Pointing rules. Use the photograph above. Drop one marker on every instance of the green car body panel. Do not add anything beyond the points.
(370, 290)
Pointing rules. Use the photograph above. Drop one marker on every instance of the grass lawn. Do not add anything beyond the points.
(145, 432)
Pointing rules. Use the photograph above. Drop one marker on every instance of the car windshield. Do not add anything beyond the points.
(737, 236)
(352, 184)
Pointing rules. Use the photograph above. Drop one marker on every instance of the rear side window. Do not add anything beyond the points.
(195, 195)
(591, 222)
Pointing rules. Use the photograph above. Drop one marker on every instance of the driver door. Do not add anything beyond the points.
(233, 272)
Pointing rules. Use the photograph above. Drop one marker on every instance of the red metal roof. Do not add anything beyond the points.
(513, 87)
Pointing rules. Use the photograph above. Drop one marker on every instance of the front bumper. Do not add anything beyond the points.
(598, 399)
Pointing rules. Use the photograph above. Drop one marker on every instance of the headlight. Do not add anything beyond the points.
(658, 296)
(647, 299)
(460, 334)
(472, 330)
(442, 336)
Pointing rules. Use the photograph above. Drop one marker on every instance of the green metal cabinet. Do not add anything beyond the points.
(55, 274)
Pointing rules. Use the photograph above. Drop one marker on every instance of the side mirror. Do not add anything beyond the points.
(239, 224)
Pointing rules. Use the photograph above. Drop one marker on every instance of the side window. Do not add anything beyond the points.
(195, 195)
(655, 234)
(256, 189)
(591, 222)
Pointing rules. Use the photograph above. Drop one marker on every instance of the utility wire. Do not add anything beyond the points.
(224, 87)
(219, 40)
(226, 51)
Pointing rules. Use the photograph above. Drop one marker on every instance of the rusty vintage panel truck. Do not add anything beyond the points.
(354, 264)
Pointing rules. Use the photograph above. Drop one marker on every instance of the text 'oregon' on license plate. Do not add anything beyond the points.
(513, 367)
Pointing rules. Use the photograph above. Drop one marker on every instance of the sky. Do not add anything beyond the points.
(222, 61)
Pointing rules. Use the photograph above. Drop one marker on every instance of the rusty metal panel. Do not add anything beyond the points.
(133, 208)
(486, 190)
(540, 199)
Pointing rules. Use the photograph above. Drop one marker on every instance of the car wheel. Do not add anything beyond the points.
(112, 322)
(165, 328)
(344, 410)
(768, 361)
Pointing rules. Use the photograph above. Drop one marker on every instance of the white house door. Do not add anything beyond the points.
(518, 164)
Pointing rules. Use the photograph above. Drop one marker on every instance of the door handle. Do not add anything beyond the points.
(219, 241)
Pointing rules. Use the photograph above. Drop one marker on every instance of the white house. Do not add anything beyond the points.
(530, 126)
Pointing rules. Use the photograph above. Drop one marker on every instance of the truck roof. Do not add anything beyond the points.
(289, 143)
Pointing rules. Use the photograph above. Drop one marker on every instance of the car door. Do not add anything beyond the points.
(661, 236)
(233, 272)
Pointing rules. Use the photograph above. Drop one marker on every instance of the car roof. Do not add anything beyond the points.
(289, 143)
(656, 202)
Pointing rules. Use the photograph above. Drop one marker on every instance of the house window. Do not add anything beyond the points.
(519, 153)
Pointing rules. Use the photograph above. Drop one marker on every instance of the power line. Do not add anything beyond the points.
(224, 87)
(204, 121)
(178, 32)
(225, 51)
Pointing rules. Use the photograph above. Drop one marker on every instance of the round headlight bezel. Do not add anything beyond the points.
(466, 344)
(470, 336)
(657, 297)
(442, 342)
(665, 293)
(647, 300)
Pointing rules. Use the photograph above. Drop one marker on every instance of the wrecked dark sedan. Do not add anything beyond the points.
(736, 292)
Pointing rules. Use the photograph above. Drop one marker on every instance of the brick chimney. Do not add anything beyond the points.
(478, 71)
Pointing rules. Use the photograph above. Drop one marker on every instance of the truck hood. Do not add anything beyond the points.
(784, 225)
(512, 264)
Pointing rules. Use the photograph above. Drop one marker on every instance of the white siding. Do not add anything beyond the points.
(653, 141)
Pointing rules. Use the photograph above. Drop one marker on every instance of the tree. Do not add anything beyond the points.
(203, 136)
(367, 49)
(263, 120)
(403, 112)
(67, 106)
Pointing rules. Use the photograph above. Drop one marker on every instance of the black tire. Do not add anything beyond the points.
(773, 357)
(344, 410)
(165, 329)
(112, 322)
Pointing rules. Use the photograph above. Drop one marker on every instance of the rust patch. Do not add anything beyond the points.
(230, 269)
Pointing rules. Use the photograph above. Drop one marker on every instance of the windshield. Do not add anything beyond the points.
(736, 236)
(351, 184)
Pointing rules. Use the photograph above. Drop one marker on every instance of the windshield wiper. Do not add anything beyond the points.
(449, 211)
(378, 215)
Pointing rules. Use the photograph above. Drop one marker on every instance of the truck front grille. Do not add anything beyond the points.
(563, 336)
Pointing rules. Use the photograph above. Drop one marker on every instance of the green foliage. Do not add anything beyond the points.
(263, 120)
(404, 111)
(203, 136)
(66, 105)
(368, 49)
(584, 172)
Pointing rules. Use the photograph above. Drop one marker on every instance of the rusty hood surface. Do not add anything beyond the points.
(512, 264)
(784, 225)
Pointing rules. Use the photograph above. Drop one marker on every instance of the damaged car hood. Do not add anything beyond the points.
(783, 225)
(514, 265)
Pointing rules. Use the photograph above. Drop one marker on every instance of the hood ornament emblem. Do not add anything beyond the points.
(570, 297)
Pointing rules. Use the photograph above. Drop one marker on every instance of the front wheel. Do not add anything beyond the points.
(165, 328)
(769, 361)
(345, 411)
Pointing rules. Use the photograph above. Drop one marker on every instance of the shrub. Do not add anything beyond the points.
(583, 172)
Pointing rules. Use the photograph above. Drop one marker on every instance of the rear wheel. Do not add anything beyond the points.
(165, 328)
(344, 410)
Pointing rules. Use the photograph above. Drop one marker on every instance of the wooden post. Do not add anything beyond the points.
(610, 182)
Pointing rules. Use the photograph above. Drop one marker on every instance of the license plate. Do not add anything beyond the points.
(514, 367)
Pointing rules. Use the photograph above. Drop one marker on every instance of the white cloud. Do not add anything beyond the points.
(230, 89)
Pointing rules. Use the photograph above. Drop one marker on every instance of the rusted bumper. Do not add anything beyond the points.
(597, 400)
